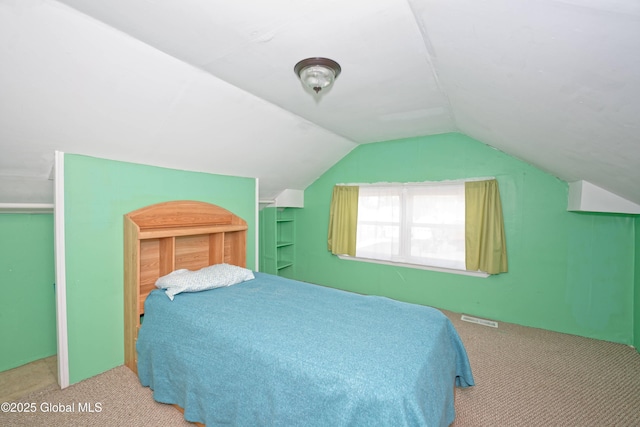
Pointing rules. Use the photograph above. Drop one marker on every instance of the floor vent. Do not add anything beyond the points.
(483, 322)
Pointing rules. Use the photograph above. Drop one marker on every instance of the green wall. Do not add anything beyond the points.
(27, 276)
(97, 194)
(568, 272)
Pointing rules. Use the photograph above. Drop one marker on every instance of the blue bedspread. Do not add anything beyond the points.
(277, 352)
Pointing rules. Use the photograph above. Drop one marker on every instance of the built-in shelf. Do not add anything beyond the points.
(277, 240)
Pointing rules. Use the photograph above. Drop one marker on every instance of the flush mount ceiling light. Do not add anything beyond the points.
(317, 73)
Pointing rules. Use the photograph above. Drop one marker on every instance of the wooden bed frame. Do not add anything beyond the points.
(167, 236)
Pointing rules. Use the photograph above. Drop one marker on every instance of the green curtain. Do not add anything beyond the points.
(485, 243)
(343, 220)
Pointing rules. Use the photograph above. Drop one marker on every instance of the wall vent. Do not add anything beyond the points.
(479, 321)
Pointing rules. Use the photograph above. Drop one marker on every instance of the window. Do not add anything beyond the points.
(420, 224)
(446, 226)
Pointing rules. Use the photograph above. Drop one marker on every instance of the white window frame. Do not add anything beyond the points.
(408, 264)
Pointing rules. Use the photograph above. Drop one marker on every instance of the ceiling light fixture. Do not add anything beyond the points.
(317, 73)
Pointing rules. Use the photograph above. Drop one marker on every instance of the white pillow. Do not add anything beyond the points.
(214, 276)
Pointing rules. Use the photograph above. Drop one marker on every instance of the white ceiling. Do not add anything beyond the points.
(208, 85)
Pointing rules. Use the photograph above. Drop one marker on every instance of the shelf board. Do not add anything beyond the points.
(282, 264)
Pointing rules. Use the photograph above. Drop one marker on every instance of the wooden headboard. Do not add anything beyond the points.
(167, 236)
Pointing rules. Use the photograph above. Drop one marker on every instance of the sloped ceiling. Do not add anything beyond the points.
(208, 85)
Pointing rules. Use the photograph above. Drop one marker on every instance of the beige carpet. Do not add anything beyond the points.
(115, 397)
(532, 377)
(524, 377)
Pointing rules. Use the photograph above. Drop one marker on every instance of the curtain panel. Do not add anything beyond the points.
(343, 220)
(485, 242)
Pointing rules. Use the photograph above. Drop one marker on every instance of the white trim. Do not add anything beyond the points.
(61, 281)
(417, 266)
(26, 208)
(257, 222)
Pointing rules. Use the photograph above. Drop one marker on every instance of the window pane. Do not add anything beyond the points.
(378, 234)
(441, 246)
(376, 204)
(377, 241)
(436, 220)
(417, 224)
(438, 204)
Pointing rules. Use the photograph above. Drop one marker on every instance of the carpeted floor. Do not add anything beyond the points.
(524, 377)
(531, 377)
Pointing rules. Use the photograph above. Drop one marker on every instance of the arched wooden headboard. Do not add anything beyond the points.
(167, 236)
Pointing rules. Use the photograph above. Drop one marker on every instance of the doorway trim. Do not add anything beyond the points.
(60, 262)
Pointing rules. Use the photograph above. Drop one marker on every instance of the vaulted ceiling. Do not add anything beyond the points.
(208, 85)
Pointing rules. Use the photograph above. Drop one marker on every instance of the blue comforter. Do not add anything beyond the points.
(278, 352)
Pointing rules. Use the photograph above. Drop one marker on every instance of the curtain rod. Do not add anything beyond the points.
(447, 181)
(26, 207)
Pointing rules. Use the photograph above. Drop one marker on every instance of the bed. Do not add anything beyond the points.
(274, 351)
